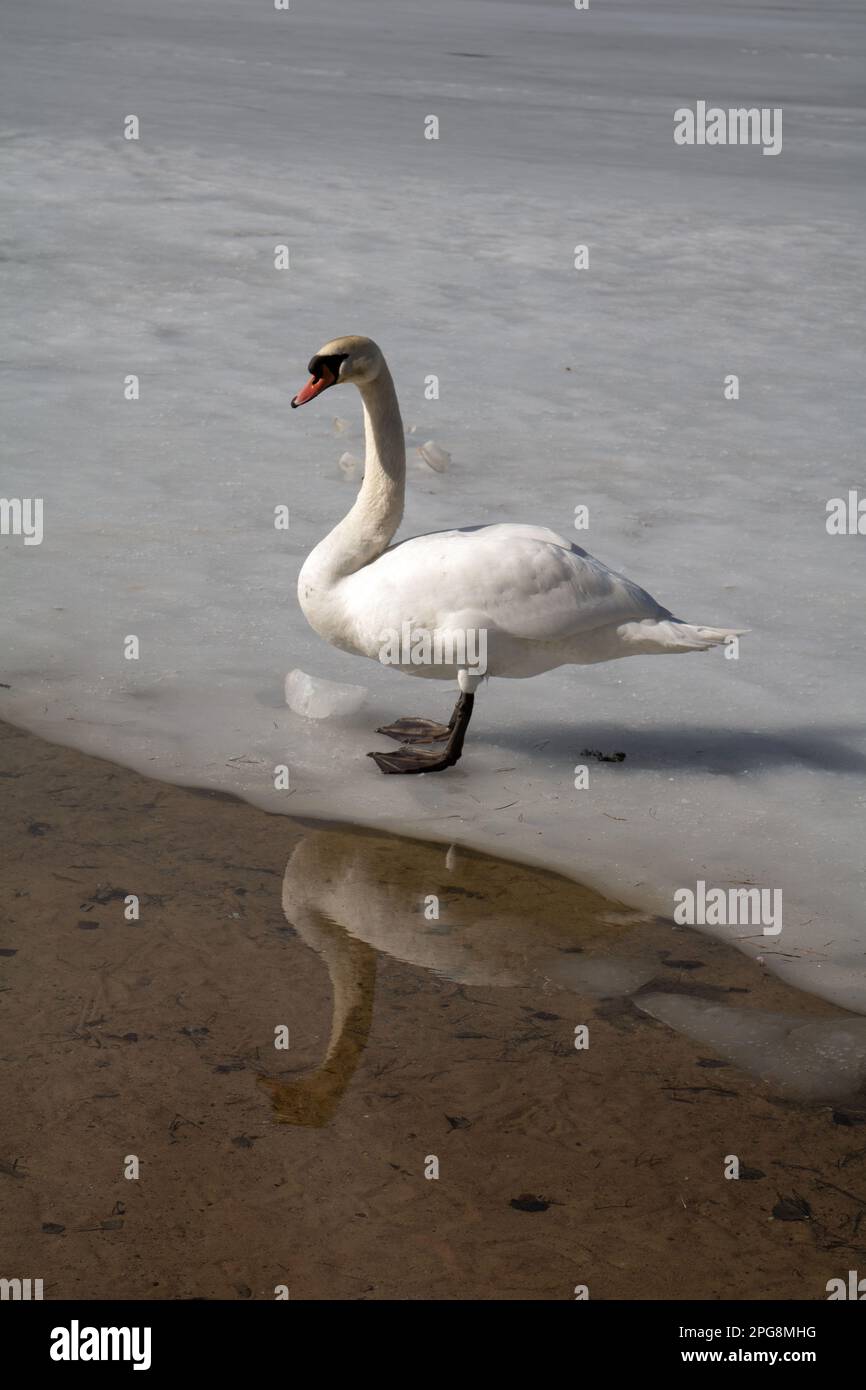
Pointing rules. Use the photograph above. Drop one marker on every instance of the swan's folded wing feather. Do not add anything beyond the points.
(525, 581)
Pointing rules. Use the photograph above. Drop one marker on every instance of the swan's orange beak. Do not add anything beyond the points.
(314, 387)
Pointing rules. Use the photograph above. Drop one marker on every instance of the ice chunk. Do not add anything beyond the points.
(434, 456)
(350, 464)
(340, 426)
(315, 698)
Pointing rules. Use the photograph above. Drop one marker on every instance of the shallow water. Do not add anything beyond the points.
(413, 1037)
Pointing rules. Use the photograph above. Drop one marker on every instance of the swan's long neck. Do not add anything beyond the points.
(365, 532)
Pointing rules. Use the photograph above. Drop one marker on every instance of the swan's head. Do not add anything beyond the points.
(345, 359)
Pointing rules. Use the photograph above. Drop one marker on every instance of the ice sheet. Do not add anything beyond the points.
(557, 388)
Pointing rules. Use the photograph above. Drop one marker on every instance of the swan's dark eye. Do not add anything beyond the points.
(318, 364)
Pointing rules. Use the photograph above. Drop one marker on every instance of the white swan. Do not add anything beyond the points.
(535, 600)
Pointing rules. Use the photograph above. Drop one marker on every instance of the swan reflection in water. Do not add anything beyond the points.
(354, 895)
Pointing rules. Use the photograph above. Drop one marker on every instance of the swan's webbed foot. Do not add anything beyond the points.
(408, 759)
(411, 760)
(415, 730)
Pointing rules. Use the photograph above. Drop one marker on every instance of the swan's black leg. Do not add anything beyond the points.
(436, 760)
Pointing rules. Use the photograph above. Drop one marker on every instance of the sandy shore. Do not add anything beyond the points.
(557, 1167)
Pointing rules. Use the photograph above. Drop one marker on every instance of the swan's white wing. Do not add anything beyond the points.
(522, 580)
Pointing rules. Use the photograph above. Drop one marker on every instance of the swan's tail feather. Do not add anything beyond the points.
(670, 635)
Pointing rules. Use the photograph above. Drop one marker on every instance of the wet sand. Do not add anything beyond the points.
(411, 1036)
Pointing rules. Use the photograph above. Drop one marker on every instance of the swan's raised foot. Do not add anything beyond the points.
(409, 760)
(415, 730)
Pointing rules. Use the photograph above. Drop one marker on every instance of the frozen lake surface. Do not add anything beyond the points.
(558, 388)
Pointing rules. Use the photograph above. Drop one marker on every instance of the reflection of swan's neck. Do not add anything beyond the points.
(367, 529)
(313, 1098)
